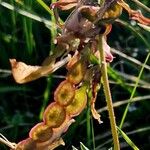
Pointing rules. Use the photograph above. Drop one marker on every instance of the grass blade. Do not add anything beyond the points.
(133, 92)
(83, 147)
(127, 139)
(30, 15)
(45, 6)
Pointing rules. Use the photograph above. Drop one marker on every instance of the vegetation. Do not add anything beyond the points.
(28, 31)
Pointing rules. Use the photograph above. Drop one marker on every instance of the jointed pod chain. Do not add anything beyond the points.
(79, 39)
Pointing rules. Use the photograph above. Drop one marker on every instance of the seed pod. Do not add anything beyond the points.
(112, 13)
(41, 132)
(54, 115)
(28, 144)
(79, 102)
(64, 94)
(77, 72)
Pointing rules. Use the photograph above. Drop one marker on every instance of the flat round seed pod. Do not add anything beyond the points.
(28, 144)
(64, 94)
(112, 13)
(77, 72)
(54, 115)
(41, 132)
(79, 102)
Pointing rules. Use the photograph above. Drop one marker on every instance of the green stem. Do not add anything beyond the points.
(93, 137)
(46, 97)
(108, 96)
(88, 124)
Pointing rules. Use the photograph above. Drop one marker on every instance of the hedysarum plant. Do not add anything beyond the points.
(83, 46)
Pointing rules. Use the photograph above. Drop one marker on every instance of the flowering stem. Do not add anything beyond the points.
(108, 95)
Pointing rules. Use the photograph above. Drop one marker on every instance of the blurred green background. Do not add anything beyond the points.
(27, 31)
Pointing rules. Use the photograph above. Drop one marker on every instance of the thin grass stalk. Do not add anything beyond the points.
(13, 16)
(13, 20)
(123, 102)
(127, 139)
(42, 3)
(140, 4)
(129, 58)
(28, 31)
(30, 25)
(137, 34)
(108, 96)
(133, 92)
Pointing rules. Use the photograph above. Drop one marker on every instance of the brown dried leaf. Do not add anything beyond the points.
(95, 114)
(23, 73)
